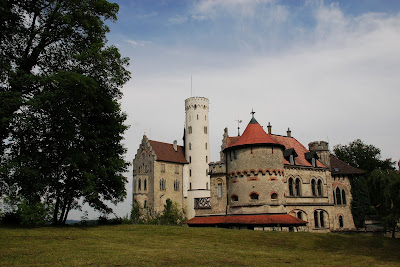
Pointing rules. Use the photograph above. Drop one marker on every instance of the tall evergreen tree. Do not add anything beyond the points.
(61, 126)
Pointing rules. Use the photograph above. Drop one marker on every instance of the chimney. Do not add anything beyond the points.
(175, 145)
(289, 132)
(269, 128)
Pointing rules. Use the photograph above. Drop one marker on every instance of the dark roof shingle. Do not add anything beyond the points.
(166, 152)
(339, 167)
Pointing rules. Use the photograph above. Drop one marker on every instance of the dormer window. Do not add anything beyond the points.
(311, 157)
(290, 155)
(291, 159)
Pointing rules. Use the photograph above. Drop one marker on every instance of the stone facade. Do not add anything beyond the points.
(262, 178)
(259, 174)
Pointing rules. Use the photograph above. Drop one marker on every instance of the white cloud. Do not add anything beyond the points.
(138, 43)
(178, 19)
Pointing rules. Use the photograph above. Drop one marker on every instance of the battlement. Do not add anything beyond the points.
(196, 102)
(318, 146)
(217, 167)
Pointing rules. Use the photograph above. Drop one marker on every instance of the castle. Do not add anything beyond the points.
(263, 181)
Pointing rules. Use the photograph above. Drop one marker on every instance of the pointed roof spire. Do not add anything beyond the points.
(253, 120)
(254, 134)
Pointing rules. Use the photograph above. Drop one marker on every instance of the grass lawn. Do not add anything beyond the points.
(136, 245)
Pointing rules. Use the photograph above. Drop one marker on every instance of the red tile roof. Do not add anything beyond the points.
(166, 152)
(254, 134)
(339, 167)
(290, 142)
(271, 219)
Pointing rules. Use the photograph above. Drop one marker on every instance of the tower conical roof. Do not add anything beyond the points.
(254, 134)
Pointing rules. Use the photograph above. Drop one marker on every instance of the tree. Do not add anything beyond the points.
(384, 187)
(362, 156)
(61, 126)
(360, 205)
(171, 214)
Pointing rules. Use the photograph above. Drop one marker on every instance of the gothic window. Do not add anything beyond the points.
(274, 196)
(338, 196)
(254, 196)
(234, 198)
(341, 221)
(343, 197)
(319, 186)
(314, 193)
(298, 187)
(145, 204)
(162, 167)
(220, 190)
(291, 187)
(145, 184)
(319, 219)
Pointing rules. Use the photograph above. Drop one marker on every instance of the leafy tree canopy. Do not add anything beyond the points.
(384, 188)
(61, 125)
(362, 156)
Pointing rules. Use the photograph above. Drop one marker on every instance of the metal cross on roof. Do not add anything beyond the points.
(252, 112)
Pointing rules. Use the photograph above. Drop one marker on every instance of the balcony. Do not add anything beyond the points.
(202, 203)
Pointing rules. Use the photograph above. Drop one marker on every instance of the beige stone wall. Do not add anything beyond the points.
(145, 167)
(170, 172)
(343, 182)
(256, 170)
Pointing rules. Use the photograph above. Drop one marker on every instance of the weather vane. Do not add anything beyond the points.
(252, 113)
(239, 121)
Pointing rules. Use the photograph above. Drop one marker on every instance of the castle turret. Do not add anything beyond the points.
(197, 151)
(322, 150)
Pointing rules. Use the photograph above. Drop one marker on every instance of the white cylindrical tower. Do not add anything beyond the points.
(197, 150)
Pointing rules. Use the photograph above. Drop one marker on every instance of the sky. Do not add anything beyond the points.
(328, 70)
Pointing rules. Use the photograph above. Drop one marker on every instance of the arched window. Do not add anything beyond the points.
(338, 196)
(341, 221)
(190, 146)
(300, 215)
(291, 187)
(344, 197)
(190, 186)
(254, 196)
(145, 184)
(319, 186)
(314, 193)
(297, 187)
(274, 196)
(234, 198)
(140, 184)
(316, 219)
(206, 159)
(321, 216)
(219, 190)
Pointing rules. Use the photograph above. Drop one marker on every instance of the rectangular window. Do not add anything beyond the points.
(162, 167)
(220, 190)
(205, 129)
